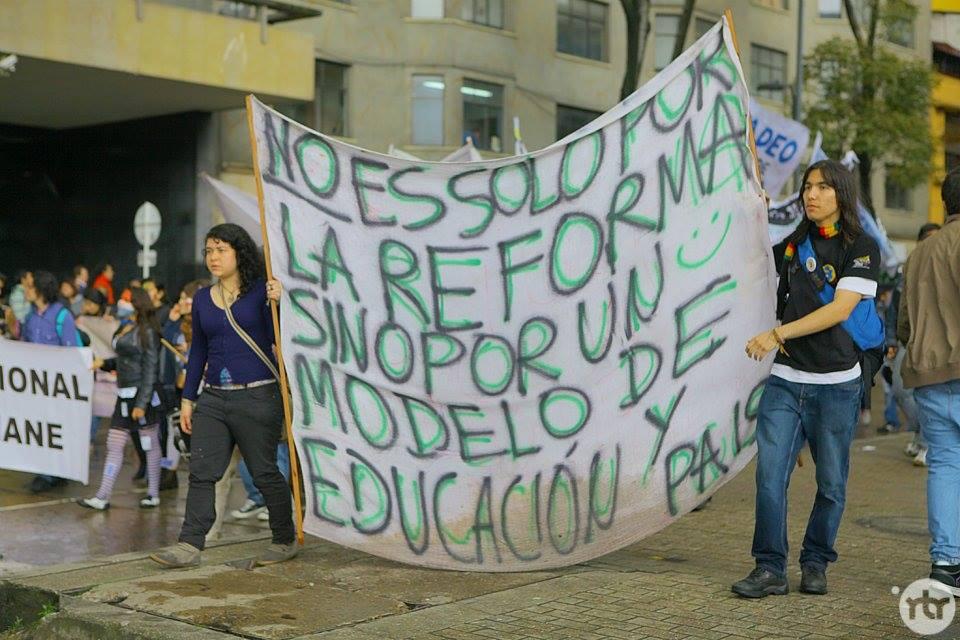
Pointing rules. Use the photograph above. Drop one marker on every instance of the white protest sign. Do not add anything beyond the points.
(45, 409)
(530, 362)
(780, 146)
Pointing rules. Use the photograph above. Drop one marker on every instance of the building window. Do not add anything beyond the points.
(665, 39)
(569, 119)
(483, 114)
(485, 12)
(702, 25)
(895, 196)
(900, 31)
(951, 136)
(428, 110)
(328, 111)
(951, 160)
(945, 61)
(426, 8)
(330, 103)
(582, 28)
(768, 68)
(829, 8)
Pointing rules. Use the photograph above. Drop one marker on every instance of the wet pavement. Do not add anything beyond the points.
(50, 528)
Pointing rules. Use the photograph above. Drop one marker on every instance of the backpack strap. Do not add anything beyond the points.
(77, 333)
(863, 325)
(61, 318)
(245, 336)
(812, 265)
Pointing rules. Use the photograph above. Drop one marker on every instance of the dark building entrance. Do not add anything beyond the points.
(69, 196)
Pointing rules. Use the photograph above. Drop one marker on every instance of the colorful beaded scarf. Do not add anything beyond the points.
(825, 232)
(829, 232)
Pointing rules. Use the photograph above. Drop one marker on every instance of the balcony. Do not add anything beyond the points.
(84, 62)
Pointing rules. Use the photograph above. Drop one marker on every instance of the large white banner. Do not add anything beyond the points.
(529, 362)
(45, 409)
(781, 143)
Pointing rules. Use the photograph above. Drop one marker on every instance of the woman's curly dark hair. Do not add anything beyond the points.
(249, 259)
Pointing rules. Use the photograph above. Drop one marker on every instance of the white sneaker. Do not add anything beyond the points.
(921, 459)
(264, 516)
(149, 502)
(248, 510)
(865, 417)
(94, 503)
(912, 449)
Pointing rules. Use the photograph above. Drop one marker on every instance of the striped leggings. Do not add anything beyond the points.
(116, 442)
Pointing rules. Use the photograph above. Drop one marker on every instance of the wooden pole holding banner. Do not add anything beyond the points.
(728, 17)
(284, 386)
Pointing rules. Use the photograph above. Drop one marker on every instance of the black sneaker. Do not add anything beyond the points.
(760, 584)
(40, 484)
(168, 479)
(813, 580)
(948, 576)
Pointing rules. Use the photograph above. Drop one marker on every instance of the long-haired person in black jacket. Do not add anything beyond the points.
(138, 411)
(828, 266)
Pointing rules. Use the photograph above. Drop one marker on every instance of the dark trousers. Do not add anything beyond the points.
(252, 419)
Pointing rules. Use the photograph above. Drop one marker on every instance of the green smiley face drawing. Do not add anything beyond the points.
(701, 238)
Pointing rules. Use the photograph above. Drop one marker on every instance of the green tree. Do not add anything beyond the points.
(864, 97)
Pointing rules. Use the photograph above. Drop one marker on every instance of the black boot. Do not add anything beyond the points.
(760, 584)
(168, 479)
(813, 580)
(141, 473)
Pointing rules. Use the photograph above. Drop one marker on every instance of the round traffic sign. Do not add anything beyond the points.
(146, 224)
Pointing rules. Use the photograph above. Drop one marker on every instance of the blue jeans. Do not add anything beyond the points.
(890, 415)
(283, 462)
(825, 416)
(939, 406)
(904, 397)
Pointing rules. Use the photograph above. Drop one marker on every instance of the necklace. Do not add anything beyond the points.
(223, 294)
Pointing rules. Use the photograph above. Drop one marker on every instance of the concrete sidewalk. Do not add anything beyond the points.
(675, 584)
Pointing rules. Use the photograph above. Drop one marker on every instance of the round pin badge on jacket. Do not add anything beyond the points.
(811, 263)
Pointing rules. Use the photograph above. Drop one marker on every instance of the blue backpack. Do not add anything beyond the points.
(83, 340)
(864, 324)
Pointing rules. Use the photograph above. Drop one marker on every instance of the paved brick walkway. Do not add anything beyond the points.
(677, 584)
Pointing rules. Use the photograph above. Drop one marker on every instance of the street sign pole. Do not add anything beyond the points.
(146, 228)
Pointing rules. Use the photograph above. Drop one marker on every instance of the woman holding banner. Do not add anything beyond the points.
(138, 410)
(240, 405)
(828, 279)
